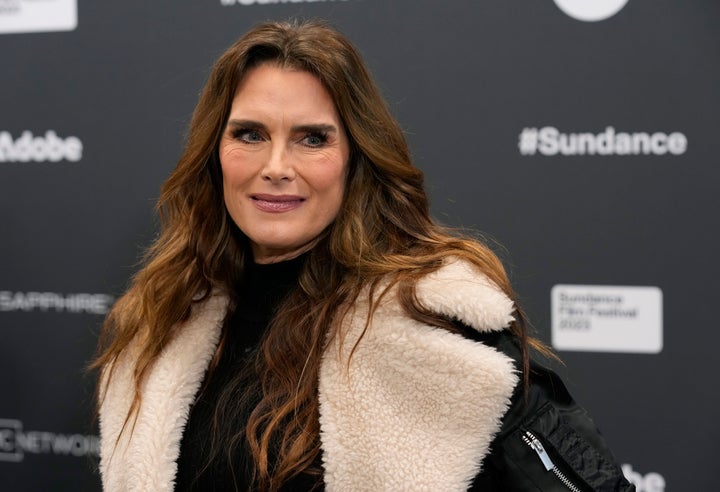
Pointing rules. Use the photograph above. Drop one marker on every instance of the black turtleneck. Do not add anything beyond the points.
(261, 290)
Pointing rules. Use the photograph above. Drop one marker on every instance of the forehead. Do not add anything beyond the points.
(270, 88)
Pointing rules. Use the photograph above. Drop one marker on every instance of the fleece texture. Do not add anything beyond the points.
(413, 409)
(147, 460)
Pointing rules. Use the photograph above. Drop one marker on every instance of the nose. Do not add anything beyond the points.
(278, 166)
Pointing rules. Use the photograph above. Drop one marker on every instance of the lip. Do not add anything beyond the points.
(276, 203)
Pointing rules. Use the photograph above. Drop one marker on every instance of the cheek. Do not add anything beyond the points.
(237, 169)
(335, 196)
(234, 180)
(330, 171)
(332, 183)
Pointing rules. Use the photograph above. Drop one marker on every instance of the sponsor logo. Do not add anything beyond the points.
(17, 16)
(46, 301)
(606, 318)
(590, 11)
(39, 149)
(263, 2)
(550, 141)
(15, 443)
(652, 482)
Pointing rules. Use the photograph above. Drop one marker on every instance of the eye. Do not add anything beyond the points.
(315, 139)
(247, 135)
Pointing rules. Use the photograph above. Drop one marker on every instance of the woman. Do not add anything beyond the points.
(301, 323)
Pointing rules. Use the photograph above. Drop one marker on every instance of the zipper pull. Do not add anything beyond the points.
(537, 446)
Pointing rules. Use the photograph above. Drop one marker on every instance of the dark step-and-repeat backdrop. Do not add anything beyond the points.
(579, 136)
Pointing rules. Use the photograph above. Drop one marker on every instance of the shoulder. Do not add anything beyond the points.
(384, 341)
(459, 290)
(384, 335)
(198, 332)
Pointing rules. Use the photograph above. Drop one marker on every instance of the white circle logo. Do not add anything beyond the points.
(591, 10)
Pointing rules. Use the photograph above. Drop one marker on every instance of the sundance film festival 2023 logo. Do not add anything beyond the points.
(42, 148)
(607, 318)
(25, 16)
(15, 442)
(549, 141)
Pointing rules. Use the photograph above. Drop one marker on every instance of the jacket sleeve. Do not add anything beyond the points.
(547, 441)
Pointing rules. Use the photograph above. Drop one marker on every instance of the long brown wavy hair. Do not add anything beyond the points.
(383, 232)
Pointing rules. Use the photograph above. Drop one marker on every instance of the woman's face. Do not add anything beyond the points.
(284, 157)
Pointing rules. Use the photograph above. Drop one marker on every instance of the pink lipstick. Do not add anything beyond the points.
(276, 203)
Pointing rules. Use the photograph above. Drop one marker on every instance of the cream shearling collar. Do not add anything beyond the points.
(415, 409)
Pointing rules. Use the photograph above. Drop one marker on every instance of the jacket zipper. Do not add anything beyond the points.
(537, 446)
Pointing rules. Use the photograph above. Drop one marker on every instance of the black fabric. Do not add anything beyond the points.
(566, 431)
(261, 289)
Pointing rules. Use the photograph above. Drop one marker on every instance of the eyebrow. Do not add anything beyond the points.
(305, 128)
